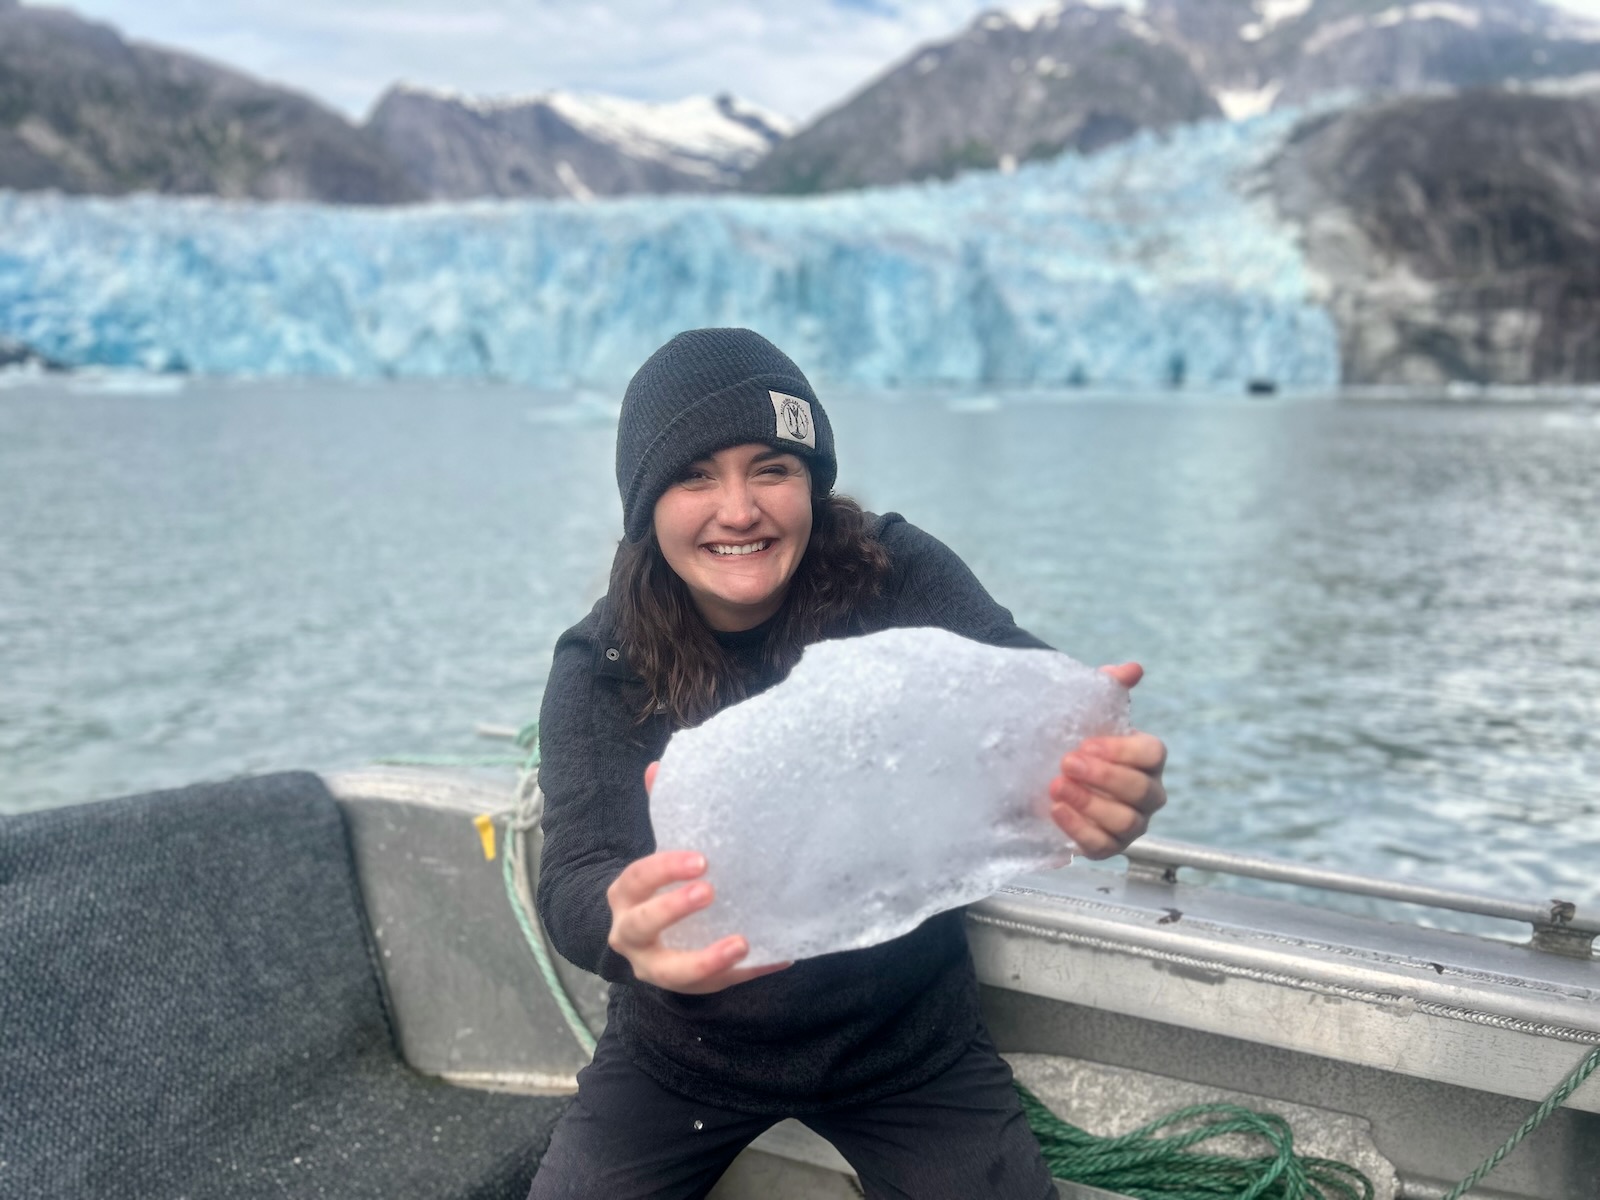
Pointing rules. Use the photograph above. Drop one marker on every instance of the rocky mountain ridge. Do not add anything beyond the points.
(1260, 54)
(1078, 75)
(82, 110)
(1007, 89)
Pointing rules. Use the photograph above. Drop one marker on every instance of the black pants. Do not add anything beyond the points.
(961, 1135)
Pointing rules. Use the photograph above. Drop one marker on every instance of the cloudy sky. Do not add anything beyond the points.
(794, 56)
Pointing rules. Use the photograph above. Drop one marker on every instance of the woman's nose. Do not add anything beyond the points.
(737, 509)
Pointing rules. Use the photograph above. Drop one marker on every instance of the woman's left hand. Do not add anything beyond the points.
(1110, 787)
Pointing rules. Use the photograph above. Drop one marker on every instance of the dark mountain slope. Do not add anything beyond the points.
(1459, 235)
(83, 110)
(1003, 90)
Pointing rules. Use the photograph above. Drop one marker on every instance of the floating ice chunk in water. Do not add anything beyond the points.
(889, 778)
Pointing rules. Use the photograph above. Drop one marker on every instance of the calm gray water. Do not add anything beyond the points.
(1371, 630)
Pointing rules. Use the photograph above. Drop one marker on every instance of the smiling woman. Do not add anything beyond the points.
(733, 529)
(736, 557)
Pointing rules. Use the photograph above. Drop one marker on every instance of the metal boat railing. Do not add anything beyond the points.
(1557, 926)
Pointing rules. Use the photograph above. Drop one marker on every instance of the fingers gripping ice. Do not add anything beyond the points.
(890, 777)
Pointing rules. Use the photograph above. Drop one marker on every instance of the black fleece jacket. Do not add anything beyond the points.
(833, 1030)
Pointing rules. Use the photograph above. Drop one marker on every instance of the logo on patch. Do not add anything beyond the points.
(794, 419)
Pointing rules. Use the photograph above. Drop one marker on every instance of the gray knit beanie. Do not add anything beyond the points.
(704, 391)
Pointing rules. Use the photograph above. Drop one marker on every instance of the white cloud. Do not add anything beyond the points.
(797, 57)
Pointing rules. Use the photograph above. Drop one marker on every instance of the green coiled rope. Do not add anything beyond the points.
(1149, 1166)
(1158, 1161)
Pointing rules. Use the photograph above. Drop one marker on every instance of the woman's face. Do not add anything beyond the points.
(733, 528)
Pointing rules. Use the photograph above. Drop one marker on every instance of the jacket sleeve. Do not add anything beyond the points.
(596, 811)
(929, 584)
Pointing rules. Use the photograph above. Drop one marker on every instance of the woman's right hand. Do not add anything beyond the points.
(640, 911)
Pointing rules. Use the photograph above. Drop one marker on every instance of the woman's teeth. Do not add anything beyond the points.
(748, 549)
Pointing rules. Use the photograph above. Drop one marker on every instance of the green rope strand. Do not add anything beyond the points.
(523, 817)
(1552, 1102)
(1151, 1165)
(541, 953)
(527, 738)
(450, 760)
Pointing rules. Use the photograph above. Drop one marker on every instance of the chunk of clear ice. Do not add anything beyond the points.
(888, 778)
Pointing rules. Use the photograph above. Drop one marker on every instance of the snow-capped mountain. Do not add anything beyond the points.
(565, 144)
(1258, 54)
(1012, 86)
(1073, 74)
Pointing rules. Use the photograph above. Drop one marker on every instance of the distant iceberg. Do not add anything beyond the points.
(1148, 260)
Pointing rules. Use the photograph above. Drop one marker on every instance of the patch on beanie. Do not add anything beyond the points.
(794, 419)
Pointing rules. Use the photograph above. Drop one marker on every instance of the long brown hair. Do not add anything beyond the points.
(685, 670)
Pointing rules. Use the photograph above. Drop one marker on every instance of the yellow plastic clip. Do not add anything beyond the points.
(485, 824)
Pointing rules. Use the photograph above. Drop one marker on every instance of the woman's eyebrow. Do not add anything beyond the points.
(770, 455)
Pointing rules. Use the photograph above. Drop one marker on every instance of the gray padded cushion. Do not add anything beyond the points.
(189, 1008)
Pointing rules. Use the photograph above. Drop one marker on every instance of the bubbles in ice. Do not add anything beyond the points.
(890, 777)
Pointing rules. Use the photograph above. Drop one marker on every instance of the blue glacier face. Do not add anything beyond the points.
(1123, 268)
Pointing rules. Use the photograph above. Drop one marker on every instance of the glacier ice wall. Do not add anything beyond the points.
(1105, 270)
